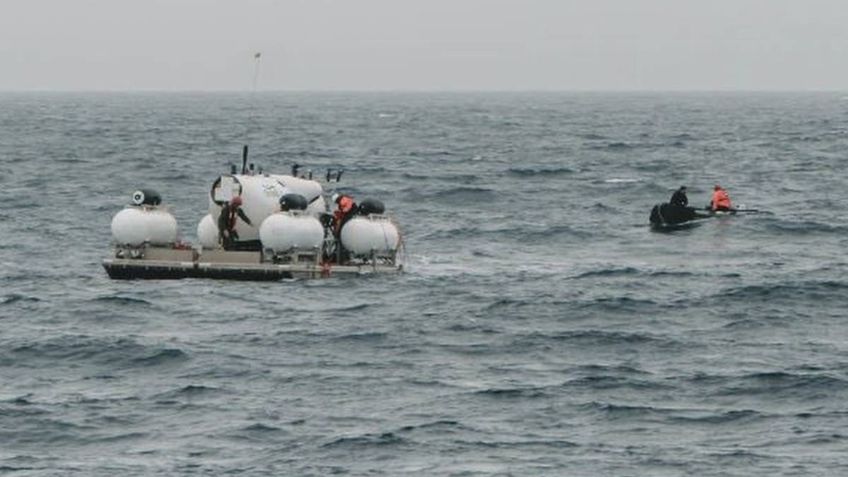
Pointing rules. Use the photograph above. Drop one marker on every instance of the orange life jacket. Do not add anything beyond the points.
(346, 206)
(720, 200)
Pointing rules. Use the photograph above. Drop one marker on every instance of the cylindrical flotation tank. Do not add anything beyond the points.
(207, 232)
(260, 196)
(136, 225)
(362, 235)
(286, 230)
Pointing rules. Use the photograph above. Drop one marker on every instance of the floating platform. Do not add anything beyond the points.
(168, 264)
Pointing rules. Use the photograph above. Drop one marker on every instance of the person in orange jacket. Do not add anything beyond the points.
(345, 209)
(721, 201)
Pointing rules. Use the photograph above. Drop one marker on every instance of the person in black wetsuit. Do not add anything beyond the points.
(679, 197)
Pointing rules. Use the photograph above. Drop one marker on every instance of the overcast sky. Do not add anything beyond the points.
(424, 44)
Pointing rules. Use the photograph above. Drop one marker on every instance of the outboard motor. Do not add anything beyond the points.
(371, 206)
(293, 202)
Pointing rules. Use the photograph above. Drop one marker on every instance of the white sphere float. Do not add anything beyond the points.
(374, 233)
(207, 232)
(284, 231)
(136, 226)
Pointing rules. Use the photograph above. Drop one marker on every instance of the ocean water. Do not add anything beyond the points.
(540, 328)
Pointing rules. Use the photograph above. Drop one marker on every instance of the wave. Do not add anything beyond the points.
(311, 153)
(463, 194)
(813, 290)
(15, 297)
(522, 233)
(615, 382)
(165, 356)
(443, 425)
(613, 146)
(116, 353)
(629, 272)
(189, 391)
(45, 431)
(595, 369)
(258, 432)
(372, 337)
(621, 410)
(517, 444)
(622, 146)
(673, 416)
(745, 415)
(600, 337)
(453, 177)
(385, 439)
(619, 304)
(592, 137)
(783, 383)
(351, 307)
(775, 384)
(532, 172)
(436, 153)
(805, 228)
(608, 272)
(122, 300)
(513, 393)
(506, 302)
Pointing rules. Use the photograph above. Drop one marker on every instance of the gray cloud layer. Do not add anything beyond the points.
(424, 44)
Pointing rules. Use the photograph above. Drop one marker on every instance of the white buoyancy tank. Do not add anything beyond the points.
(136, 225)
(283, 231)
(207, 232)
(362, 235)
(260, 196)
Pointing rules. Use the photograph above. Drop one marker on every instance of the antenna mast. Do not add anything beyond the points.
(251, 120)
(256, 60)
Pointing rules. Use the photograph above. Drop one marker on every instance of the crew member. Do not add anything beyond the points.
(227, 233)
(721, 201)
(679, 197)
(345, 210)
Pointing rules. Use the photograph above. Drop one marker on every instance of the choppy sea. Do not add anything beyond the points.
(540, 328)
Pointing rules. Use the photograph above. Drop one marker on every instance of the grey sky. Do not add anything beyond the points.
(424, 44)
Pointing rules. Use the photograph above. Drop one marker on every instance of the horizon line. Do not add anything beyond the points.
(421, 91)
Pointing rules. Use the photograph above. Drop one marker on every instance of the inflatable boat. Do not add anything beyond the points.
(285, 228)
(671, 216)
(666, 217)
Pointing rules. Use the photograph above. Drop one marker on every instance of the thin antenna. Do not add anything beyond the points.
(256, 60)
(251, 120)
